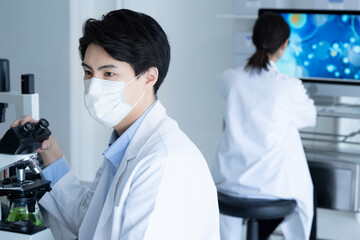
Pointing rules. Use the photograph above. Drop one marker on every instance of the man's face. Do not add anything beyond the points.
(99, 64)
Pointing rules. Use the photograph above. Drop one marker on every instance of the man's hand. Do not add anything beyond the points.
(49, 150)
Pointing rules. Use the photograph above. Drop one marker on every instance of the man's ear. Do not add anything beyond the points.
(151, 76)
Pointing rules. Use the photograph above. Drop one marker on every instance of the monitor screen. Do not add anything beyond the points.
(324, 45)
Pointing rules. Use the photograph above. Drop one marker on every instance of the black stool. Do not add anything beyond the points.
(253, 210)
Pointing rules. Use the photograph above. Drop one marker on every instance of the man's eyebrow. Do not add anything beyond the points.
(107, 66)
(99, 68)
(85, 65)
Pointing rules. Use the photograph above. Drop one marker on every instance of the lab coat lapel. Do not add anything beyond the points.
(109, 203)
(145, 129)
(88, 225)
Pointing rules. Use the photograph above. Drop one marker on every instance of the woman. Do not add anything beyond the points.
(260, 154)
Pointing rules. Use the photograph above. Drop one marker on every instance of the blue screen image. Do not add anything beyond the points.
(322, 46)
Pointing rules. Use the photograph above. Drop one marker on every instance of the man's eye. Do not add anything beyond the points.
(87, 72)
(109, 74)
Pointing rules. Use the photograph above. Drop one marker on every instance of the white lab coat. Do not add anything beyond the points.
(260, 154)
(162, 190)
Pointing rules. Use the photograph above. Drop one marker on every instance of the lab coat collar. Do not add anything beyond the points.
(147, 127)
(272, 65)
(118, 144)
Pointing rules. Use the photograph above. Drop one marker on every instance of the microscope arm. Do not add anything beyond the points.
(9, 160)
(25, 104)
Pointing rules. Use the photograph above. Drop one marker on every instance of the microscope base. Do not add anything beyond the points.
(42, 235)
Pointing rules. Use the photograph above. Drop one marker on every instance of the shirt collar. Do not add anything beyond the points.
(118, 144)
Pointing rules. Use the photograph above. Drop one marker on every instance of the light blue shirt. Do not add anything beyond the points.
(114, 153)
(56, 170)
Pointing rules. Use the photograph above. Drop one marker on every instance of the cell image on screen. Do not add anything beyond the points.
(322, 46)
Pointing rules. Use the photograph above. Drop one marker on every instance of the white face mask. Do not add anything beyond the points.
(104, 100)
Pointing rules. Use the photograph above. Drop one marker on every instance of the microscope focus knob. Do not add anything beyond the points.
(42, 125)
(27, 129)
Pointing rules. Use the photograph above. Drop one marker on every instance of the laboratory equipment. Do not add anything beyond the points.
(26, 102)
(24, 189)
(22, 219)
(25, 138)
(4, 85)
(324, 45)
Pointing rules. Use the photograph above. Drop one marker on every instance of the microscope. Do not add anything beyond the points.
(21, 185)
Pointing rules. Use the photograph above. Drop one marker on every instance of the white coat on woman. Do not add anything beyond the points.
(162, 190)
(260, 154)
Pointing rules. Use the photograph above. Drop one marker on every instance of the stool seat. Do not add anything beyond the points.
(250, 208)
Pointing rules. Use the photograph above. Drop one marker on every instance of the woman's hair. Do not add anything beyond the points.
(269, 33)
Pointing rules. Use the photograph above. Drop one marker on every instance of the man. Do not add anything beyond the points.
(153, 183)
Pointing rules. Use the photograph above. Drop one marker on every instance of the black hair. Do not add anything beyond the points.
(131, 37)
(269, 33)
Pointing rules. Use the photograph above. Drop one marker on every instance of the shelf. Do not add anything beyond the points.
(236, 16)
(339, 111)
(330, 138)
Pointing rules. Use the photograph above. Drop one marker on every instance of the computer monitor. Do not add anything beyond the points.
(324, 45)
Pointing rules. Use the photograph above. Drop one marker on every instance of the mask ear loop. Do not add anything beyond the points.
(142, 95)
(132, 79)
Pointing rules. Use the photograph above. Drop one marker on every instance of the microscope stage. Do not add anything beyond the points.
(25, 187)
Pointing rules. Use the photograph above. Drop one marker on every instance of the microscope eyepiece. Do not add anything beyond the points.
(42, 125)
(27, 129)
